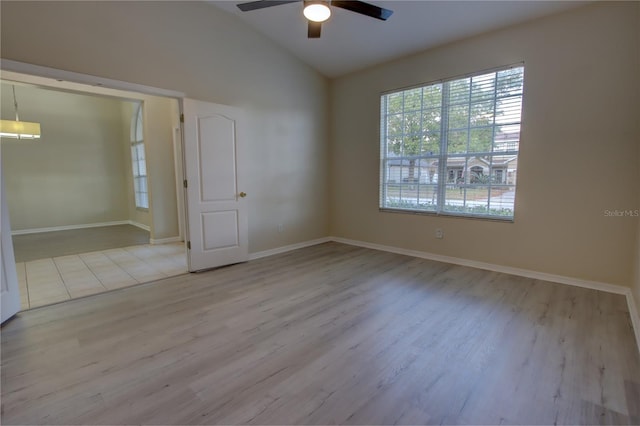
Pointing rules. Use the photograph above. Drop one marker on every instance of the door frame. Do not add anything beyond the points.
(97, 85)
(11, 298)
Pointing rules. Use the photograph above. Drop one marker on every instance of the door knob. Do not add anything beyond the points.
(243, 194)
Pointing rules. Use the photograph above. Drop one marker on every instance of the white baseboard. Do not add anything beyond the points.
(284, 249)
(635, 316)
(140, 225)
(594, 285)
(68, 227)
(165, 240)
(610, 288)
(81, 226)
(561, 279)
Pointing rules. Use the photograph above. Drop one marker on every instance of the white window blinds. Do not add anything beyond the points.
(452, 147)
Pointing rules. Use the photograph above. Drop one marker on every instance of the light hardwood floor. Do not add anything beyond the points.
(323, 335)
(46, 281)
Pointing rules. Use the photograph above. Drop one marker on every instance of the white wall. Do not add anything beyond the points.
(76, 173)
(578, 158)
(209, 55)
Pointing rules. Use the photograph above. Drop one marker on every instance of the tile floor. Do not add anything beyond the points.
(56, 279)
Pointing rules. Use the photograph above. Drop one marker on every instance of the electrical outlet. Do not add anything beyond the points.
(439, 233)
(280, 227)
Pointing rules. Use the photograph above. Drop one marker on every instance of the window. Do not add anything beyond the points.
(466, 131)
(138, 160)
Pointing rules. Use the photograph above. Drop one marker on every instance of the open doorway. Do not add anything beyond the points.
(94, 203)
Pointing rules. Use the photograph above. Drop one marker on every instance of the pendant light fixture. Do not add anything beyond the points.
(19, 129)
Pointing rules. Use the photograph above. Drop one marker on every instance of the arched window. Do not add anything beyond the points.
(138, 160)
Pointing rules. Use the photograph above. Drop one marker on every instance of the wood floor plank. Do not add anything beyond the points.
(329, 334)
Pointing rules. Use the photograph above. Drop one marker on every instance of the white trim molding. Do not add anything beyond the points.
(139, 225)
(81, 226)
(157, 241)
(284, 249)
(561, 279)
(610, 288)
(69, 227)
(635, 315)
(96, 82)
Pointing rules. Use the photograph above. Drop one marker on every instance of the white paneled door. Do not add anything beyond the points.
(9, 291)
(216, 201)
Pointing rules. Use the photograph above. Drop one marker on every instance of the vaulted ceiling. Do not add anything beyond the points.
(351, 41)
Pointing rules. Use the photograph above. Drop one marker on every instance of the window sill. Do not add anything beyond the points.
(506, 219)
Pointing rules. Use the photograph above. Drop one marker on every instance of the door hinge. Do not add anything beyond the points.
(185, 183)
(182, 118)
(188, 245)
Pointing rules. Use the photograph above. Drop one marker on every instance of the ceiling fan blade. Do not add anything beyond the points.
(363, 8)
(261, 4)
(314, 29)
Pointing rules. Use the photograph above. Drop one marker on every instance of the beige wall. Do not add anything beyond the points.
(636, 283)
(209, 55)
(160, 117)
(635, 287)
(578, 153)
(580, 109)
(76, 173)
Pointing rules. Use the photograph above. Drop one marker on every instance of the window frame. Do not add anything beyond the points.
(137, 140)
(443, 156)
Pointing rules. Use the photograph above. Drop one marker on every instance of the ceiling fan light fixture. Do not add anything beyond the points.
(316, 11)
